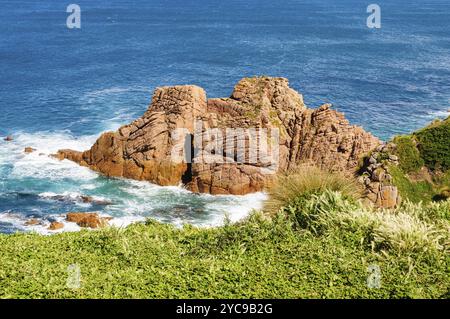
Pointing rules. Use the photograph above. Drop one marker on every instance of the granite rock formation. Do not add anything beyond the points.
(258, 108)
(378, 182)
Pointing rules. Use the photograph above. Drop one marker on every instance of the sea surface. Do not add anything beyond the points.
(60, 87)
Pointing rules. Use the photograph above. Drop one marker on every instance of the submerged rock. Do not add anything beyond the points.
(9, 138)
(79, 198)
(95, 201)
(144, 149)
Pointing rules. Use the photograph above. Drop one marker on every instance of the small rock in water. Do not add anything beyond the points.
(9, 138)
(91, 220)
(29, 150)
(32, 222)
(92, 200)
(55, 226)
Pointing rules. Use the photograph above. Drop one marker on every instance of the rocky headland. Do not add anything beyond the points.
(143, 149)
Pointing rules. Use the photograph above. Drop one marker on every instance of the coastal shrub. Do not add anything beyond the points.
(434, 144)
(324, 203)
(409, 156)
(297, 184)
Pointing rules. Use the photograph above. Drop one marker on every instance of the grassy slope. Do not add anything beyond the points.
(415, 191)
(429, 147)
(434, 144)
(257, 258)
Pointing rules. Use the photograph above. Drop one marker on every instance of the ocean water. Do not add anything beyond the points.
(60, 87)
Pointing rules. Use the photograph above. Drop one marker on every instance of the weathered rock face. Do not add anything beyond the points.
(377, 180)
(142, 149)
(239, 143)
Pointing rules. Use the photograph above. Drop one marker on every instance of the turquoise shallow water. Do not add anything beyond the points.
(61, 88)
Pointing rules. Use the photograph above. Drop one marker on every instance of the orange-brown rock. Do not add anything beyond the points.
(91, 220)
(29, 150)
(32, 222)
(387, 197)
(55, 226)
(143, 149)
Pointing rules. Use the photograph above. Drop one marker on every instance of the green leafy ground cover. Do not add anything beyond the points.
(320, 244)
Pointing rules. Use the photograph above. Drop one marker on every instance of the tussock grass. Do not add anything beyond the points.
(305, 180)
(408, 230)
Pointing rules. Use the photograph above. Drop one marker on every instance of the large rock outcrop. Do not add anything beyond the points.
(238, 143)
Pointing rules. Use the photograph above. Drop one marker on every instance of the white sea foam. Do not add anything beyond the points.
(126, 221)
(39, 164)
(441, 114)
(75, 197)
(132, 201)
(19, 222)
(235, 212)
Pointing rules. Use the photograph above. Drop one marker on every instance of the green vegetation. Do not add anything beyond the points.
(321, 243)
(434, 144)
(415, 191)
(409, 156)
(424, 160)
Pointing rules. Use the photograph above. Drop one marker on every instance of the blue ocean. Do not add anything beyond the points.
(61, 87)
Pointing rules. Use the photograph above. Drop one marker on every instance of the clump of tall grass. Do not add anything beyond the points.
(305, 180)
(318, 212)
(407, 233)
(401, 231)
(323, 202)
